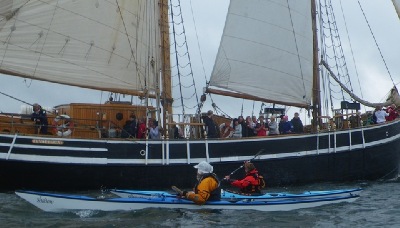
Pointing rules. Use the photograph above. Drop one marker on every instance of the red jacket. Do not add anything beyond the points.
(141, 134)
(392, 114)
(249, 184)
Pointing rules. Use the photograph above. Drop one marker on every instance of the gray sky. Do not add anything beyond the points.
(209, 16)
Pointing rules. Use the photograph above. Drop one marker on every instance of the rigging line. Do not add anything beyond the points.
(332, 32)
(15, 98)
(151, 78)
(156, 55)
(148, 28)
(176, 57)
(297, 49)
(188, 54)
(223, 113)
(376, 43)
(198, 43)
(138, 78)
(26, 83)
(241, 111)
(101, 97)
(40, 34)
(326, 85)
(45, 39)
(212, 100)
(366, 103)
(341, 58)
(252, 111)
(62, 51)
(351, 50)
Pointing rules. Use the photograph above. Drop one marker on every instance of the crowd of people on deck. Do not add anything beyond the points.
(252, 126)
(378, 116)
(133, 127)
(136, 128)
(381, 116)
(236, 128)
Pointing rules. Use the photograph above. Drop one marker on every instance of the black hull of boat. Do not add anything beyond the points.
(43, 163)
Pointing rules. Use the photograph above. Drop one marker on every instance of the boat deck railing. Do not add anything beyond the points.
(96, 128)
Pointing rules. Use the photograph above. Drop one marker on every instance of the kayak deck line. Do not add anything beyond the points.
(55, 202)
(232, 196)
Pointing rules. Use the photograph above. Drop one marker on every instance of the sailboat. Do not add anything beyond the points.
(123, 47)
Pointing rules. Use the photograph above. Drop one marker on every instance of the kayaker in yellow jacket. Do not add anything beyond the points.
(207, 187)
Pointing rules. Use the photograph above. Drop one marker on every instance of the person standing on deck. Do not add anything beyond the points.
(285, 126)
(380, 115)
(273, 126)
(393, 114)
(211, 128)
(40, 117)
(237, 132)
(154, 130)
(297, 124)
(141, 131)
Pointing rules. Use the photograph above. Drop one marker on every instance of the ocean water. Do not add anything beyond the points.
(378, 206)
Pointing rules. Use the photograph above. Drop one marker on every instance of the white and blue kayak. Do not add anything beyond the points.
(51, 202)
(231, 196)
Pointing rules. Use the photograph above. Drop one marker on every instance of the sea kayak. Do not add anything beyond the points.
(52, 202)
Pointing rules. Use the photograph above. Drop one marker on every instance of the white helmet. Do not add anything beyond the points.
(204, 167)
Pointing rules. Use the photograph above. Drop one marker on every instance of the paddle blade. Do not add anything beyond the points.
(177, 190)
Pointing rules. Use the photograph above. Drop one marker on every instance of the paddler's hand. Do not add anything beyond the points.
(227, 180)
(183, 194)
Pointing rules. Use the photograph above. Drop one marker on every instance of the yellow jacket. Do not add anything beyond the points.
(203, 191)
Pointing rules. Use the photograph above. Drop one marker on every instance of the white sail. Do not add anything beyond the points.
(396, 4)
(95, 44)
(266, 57)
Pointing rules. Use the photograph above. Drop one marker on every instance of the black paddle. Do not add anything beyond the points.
(177, 190)
(258, 153)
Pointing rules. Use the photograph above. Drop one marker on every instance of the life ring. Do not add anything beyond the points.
(63, 125)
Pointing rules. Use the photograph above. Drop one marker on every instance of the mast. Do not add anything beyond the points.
(316, 112)
(166, 64)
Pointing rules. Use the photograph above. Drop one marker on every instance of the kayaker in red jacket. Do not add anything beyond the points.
(252, 183)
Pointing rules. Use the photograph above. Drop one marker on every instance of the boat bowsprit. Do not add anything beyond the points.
(232, 196)
(51, 202)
